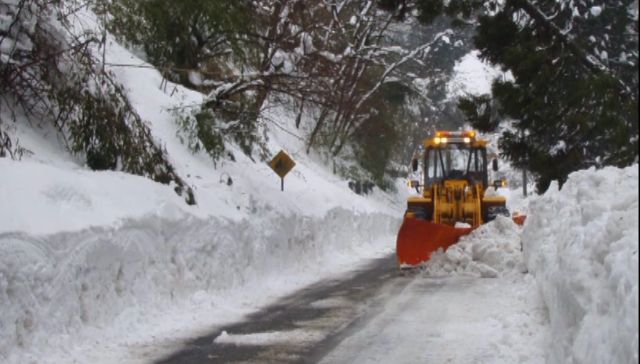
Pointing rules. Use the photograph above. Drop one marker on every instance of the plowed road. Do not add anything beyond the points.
(376, 315)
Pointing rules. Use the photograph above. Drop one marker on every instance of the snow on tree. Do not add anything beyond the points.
(330, 60)
(52, 73)
(575, 79)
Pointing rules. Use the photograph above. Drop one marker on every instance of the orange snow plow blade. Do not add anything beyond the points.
(519, 219)
(417, 239)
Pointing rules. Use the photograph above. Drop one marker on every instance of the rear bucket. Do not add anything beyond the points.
(417, 239)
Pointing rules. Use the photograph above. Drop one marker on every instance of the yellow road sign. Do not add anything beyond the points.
(282, 164)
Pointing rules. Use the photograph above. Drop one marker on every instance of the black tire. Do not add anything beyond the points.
(494, 211)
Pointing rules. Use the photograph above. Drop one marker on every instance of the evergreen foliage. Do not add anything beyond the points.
(573, 98)
(477, 110)
(374, 144)
(179, 36)
(197, 43)
(573, 107)
(203, 129)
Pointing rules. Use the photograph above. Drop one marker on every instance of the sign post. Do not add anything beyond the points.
(282, 164)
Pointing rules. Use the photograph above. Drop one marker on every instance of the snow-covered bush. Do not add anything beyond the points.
(581, 243)
(51, 73)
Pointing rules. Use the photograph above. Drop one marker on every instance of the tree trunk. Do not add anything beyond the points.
(316, 128)
(299, 116)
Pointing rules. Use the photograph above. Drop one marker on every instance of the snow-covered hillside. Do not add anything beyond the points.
(95, 265)
(108, 267)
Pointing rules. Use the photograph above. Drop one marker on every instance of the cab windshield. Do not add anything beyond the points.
(455, 161)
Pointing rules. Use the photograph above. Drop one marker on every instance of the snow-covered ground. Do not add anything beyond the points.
(563, 289)
(579, 246)
(473, 303)
(452, 320)
(106, 267)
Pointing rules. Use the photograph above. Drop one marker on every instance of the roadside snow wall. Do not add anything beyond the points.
(581, 243)
(55, 286)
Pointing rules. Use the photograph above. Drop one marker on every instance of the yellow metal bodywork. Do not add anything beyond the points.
(457, 201)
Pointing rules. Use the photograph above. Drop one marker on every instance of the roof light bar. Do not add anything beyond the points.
(456, 134)
(444, 137)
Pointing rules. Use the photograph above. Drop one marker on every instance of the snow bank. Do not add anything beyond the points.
(92, 262)
(491, 250)
(295, 336)
(581, 243)
(56, 286)
(95, 266)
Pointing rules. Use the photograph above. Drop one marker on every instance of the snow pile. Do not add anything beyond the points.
(581, 243)
(491, 250)
(296, 336)
(105, 277)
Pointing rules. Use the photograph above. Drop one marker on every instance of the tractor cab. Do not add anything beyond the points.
(455, 156)
(452, 199)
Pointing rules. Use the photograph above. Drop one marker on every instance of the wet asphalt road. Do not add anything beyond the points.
(312, 321)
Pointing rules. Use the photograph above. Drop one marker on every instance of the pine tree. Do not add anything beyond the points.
(573, 98)
(573, 103)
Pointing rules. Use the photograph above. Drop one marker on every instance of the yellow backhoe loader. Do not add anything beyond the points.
(454, 196)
